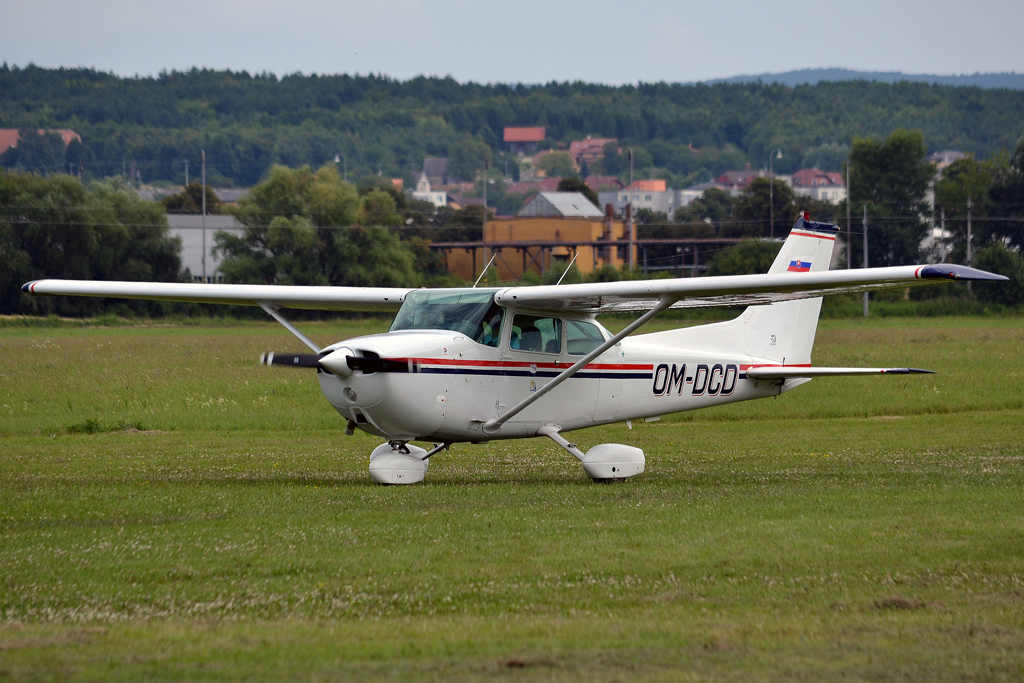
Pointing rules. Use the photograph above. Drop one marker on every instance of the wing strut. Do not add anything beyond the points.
(273, 312)
(493, 425)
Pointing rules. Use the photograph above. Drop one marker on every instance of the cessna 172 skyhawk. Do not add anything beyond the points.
(474, 365)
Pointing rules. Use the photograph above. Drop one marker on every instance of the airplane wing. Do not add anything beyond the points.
(285, 296)
(634, 295)
(731, 290)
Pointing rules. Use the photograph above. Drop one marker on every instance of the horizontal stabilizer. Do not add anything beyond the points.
(784, 372)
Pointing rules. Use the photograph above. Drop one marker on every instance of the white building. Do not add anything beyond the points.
(819, 185)
(560, 205)
(425, 194)
(189, 227)
(666, 201)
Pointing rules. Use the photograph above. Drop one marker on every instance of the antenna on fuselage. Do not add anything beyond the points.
(567, 268)
(484, 271)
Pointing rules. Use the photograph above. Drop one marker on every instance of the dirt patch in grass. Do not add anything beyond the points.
(899, 603)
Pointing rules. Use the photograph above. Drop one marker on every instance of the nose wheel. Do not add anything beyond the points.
(398, 462)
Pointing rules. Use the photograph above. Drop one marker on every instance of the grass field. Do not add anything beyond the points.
(171, 510)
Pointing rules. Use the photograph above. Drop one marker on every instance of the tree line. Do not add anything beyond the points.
(150, 126)
(310, 227)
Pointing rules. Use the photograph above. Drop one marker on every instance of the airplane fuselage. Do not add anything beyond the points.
(446, 386)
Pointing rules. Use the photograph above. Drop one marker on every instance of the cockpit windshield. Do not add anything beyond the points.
(471, 312)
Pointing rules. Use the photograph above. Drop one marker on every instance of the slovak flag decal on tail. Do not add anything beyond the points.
(799, 266)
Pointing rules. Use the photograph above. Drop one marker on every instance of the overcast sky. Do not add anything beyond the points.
(529, 41)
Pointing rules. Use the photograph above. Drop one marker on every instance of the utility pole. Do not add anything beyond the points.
(186, 172)
(942, 236)
(204, 215)
(630, 168)
(343, 158)
(969, 255)
(865, 223)
(631, 227)
(771, 191)
(483, 231)
(849, 234)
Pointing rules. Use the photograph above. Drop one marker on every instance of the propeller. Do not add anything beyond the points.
(295, 360)
(341, 362)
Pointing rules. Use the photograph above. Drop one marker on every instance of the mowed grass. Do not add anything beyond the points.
(171, 510)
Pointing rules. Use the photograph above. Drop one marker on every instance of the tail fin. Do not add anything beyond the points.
(784, 331)
(781, 332)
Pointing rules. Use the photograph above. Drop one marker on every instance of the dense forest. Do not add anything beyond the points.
(247, 123)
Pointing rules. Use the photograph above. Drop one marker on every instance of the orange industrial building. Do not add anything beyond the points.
(535, 245)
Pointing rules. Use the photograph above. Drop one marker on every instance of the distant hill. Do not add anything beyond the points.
(1013, 81)
(685, 134)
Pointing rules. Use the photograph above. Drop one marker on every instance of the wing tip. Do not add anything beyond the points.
(27, 287)
(954, 271)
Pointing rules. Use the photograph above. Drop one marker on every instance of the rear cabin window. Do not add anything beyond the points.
(581, 337)
(536, 333)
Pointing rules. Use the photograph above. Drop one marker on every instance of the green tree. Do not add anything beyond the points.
(1006, 196)
(577, 185)
(41, 153)
(651, 217)
(747, 257)
(756, 205)
(891, 177)
(190, 200)
(296, 232)
(557, 165)
(996, 258)
(826, 157)
(963, 180)
(55, 227)
(467, 157)
(470, 216)
(713, 205)
(611, 162)
(378, 208)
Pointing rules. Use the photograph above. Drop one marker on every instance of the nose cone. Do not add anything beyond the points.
(337, 362)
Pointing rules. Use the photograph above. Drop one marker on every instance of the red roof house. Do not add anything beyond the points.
(523, 140)
(589, 150)
(9, 136)
(647, 186)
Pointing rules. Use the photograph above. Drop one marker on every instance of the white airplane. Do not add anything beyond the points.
(481, 364)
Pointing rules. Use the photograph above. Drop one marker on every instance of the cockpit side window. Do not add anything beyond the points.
(490, 327)
(539, 334)
(582, 337)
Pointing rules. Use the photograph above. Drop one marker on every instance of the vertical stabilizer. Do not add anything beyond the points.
(784, 331)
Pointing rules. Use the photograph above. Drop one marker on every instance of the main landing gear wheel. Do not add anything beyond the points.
(605, 462)
(396, 462)
(611, 462)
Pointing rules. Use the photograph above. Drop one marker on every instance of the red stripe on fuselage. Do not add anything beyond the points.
(517, 364)
(812, 234)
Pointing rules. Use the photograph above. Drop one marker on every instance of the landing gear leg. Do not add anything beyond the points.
(605, 463)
